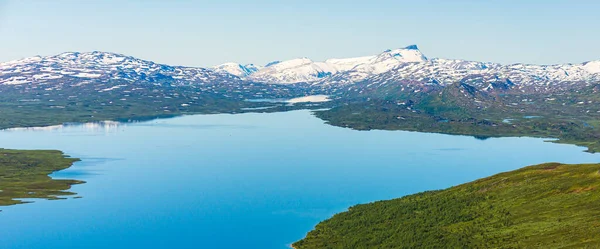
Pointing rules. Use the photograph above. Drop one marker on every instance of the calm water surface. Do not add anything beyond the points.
(240, 181)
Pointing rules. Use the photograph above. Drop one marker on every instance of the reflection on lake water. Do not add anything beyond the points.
(94, 127)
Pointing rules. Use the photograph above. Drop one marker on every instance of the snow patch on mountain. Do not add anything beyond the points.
(346, 64)
(293, 71)
(311, 99)
(306, 70)
(104, 67)
(237, 69)
(592, 67)
(398, 66)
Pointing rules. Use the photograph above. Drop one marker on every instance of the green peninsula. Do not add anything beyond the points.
(544, 206)
(24, 174)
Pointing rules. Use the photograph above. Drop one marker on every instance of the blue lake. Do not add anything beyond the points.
(240, 181)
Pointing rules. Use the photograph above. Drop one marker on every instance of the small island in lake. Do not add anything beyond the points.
(544, 206)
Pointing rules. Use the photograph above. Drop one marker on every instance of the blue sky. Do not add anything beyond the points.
(205, 33)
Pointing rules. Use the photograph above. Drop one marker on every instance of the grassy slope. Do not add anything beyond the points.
(388, 115)
(572, 116)
(447, 110)
(24, 174)
(56, 110)
(545, 206)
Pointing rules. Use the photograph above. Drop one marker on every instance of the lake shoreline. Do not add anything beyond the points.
(26, 175)
(248, 135)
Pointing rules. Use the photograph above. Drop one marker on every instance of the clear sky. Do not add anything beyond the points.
(205, 33)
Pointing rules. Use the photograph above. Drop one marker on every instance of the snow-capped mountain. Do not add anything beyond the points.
(444, 72)
(237, 69)
(405, 66)
(112, 77)
(293, 71)
(410, 65)
(306, 70)
(102, 66)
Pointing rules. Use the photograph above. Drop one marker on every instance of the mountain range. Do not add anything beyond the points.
(395, 89)
(407, 67)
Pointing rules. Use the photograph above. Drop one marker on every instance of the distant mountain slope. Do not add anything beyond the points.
(409, 64)
(293, 71)
(399, 70)
(545, 206)
(237, 69)
(102, 66)
(88, 75)
(306, 70)
(482, 75)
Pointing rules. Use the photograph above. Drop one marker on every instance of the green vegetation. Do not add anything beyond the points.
(38, 107)
(24, 174)
(545, 206)
(572, 117)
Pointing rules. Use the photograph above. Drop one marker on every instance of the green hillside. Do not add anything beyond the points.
(24, 174)
(544, 206)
